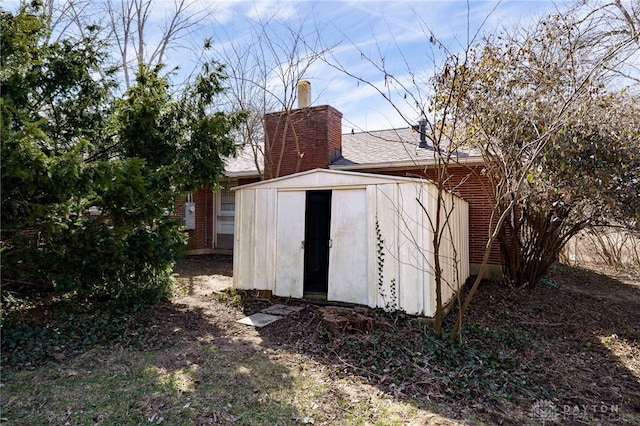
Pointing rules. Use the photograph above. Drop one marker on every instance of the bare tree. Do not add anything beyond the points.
(141, 32)
(265, 67)
(532, 101)
(430, 104)
(605, 24)
(512, 97)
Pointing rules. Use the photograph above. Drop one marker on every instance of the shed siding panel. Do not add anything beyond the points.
(409, 286)
(261, 246)
(348, 263)
(428, 211)
(388, 218)
(448, 253)
(372, 252)
(271, 218)
(244, 263)
(459, 250)
(289, 251)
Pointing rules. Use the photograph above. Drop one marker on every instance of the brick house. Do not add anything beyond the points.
(311, 138)
(313, 174)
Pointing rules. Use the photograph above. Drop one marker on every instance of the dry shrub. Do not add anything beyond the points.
(615, 248)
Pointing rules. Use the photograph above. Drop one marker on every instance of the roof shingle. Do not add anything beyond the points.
(361, 148)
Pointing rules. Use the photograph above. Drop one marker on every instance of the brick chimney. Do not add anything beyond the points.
(301, 139)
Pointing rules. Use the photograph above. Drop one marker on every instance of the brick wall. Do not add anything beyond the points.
(201, 237)
(474, 189)
(301, 139)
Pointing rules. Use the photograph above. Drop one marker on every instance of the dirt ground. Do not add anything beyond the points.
(576, 347)
(565, 355)
(295, 341)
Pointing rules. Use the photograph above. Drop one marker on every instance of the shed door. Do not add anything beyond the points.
(316, 242)
(348, 266)
(289, 254)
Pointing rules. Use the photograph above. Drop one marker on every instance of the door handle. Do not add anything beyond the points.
(302, 245)
(330, 243)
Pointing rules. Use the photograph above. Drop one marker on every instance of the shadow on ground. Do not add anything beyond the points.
(175, 363)
(569, 355)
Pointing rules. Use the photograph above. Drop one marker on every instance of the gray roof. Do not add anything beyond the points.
(380, 148)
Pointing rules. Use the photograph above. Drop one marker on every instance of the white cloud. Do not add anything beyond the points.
(397, 32)
(261, 10)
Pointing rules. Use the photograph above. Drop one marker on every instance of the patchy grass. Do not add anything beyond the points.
(197, 384)
(30, 341)
(554, 356)
(132, 387)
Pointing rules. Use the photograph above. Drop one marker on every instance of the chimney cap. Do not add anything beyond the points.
(304, 94)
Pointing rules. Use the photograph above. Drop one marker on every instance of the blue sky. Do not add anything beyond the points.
(397, 31)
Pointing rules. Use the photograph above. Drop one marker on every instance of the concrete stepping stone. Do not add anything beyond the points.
(259, 319)
(268, 315)
(280, 309)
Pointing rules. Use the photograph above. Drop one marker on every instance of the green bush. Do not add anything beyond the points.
(88, 179)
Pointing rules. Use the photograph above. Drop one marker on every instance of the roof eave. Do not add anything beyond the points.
(405, 164)
(243, 174)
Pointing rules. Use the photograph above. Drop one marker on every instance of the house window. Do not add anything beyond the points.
(225, 215)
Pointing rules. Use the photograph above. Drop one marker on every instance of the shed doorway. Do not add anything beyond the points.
(317, 242)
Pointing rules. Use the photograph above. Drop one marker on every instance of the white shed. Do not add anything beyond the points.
(348, 237)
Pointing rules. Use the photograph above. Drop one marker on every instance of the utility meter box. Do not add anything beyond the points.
(189, 215)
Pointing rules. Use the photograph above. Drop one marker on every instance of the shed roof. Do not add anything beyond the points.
(324, 178)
